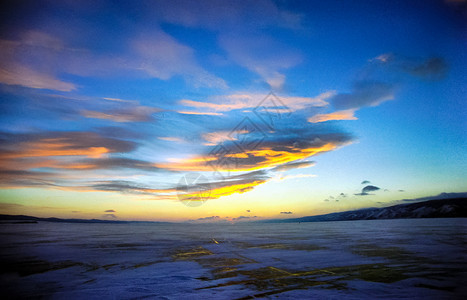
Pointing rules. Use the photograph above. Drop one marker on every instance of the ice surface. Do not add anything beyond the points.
(418, 258)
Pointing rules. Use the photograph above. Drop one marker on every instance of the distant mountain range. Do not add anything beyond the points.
(21, 219)
(440, 208)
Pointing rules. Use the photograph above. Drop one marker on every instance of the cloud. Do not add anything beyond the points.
(370, 188)
(236, 15)
(129, 187)
(35, 59)
(161, 56)
(110, 211)
(247, 210)
(62, 159)
(171, 139)
(103, 163)
(230, 185)
(364, 93)
(218, 137)
(200, 113)
(334, 116)
(9, 206)
(16, 74)
(431, 68)
(254, 53)
(365, 182)
(281, 147)
(128, 113)
(286, 212)
(294, 165)
(367, 189)
(73, 143)
(287, 177)
(225, 103)
(13, 71)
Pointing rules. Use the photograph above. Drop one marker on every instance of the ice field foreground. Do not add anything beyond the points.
(406, 258)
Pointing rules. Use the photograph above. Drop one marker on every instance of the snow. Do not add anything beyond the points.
(418, 258)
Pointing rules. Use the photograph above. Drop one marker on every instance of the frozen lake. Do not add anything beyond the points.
(418, 258)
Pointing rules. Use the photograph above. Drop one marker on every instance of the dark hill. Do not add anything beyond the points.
(445, 208)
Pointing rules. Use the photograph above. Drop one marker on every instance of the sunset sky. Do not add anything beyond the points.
(274, 108)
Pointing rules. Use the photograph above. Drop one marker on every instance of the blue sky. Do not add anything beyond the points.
(269, 106)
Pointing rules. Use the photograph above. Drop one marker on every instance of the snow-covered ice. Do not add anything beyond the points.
(419, 258)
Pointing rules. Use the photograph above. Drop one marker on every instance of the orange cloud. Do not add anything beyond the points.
(337, 115)
(216, 193)
(248, 160)
(54, 147)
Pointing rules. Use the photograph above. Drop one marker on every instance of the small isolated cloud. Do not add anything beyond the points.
(247, 210)
(367, 189)
(109, 211)
(370, 188)
(401, 191)
(365, 182)
(286, 212)
(341, 196)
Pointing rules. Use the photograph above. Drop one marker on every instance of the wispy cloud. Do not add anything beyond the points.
(87, 144)
(252, 53)
(235, 15)
(214, 138)
(161, 56)
(431, 68)
(171, 139)
(225, 103)
(128, 113)
(364, 93)
(199, 113)
(294, 165)
(334, 116)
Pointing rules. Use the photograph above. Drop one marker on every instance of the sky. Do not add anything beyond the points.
(229, 110)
